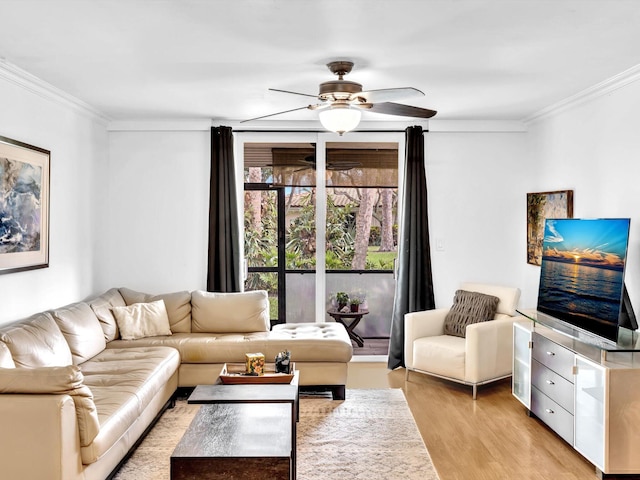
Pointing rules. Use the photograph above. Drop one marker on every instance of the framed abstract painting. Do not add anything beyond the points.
(24, 206)
(540, 206)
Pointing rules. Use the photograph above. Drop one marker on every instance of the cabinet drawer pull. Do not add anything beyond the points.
(551, 354)
(550, 382)
(548, 410)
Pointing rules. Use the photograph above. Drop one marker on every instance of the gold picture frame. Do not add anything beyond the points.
(24, 206)
(540, 206)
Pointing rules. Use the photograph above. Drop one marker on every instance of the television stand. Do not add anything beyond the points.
(586, 393)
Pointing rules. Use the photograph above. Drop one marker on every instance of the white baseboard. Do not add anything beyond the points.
(369, 358)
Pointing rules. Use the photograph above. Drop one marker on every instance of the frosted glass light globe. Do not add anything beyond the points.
(340, 118)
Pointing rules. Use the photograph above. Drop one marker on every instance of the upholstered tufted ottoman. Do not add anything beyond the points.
(321, 352)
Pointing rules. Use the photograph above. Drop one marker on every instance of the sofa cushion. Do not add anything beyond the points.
(178, 305)
(142, 320)
(56, 380)
(204, 348)
(468, 308)
(36, 342)
(310, 342)
(443, 355)
(101, 306)
(124, 383)
(230, 312)
(81, 328)
(6, 361)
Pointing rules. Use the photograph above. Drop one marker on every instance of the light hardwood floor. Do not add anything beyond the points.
(491, 438)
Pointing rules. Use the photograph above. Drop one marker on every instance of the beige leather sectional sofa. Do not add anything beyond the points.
(75, 396)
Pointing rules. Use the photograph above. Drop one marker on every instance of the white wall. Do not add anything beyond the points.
(77, 141)
(477, 208)
(156, 211)
(594, 149)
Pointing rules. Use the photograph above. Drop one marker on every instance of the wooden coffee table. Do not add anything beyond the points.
(236, 442)
(221, 446)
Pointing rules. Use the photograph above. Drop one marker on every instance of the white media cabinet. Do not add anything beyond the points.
(588, 392)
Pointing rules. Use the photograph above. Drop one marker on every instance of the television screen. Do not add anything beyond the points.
(582, 272)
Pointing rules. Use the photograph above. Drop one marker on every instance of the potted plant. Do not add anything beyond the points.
(354, 303)
(342, 298)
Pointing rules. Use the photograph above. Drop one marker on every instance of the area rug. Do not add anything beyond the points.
(371, 435)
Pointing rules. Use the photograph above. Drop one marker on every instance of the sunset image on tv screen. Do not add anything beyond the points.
(582, 271)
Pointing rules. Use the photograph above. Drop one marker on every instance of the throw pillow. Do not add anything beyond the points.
(178, 305)
(142, 320)
(56, 381)
(469, 308)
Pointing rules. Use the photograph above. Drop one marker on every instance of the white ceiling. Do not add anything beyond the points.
(173, 59)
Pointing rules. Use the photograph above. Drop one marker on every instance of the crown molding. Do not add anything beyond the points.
(14, 74)
(161, 125)
(603, 88)
(476, 126)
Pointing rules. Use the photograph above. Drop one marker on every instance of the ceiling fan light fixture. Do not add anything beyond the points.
(340, 118)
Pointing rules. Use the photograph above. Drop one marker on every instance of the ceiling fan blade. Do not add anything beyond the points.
(279, 113)
(293, 93)
(388, 94)
(389, 108)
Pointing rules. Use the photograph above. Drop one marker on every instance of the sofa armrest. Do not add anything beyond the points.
(489, 349)
(40, 437)
(427, 323)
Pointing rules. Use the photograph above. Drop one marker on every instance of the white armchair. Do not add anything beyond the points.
(482, 356)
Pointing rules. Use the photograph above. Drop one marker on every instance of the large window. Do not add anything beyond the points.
(358, 201)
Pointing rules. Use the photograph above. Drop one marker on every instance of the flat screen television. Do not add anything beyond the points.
(582, 273)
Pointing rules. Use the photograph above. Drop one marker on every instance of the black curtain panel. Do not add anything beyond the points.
(414, 284)
(223, 271)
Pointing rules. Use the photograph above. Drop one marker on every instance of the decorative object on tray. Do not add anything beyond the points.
(255, 363)
(283, 362)
(235, 374)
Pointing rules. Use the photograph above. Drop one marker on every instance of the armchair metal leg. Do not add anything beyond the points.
(475, 391)
(406, 374)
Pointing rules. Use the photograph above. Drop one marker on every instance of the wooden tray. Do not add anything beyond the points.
(235, 374)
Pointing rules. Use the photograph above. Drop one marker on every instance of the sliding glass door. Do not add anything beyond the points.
(320, 216)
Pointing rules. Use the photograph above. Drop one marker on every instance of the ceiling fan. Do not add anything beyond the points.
(342, 101)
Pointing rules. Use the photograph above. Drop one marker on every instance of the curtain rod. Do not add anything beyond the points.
(320, 131)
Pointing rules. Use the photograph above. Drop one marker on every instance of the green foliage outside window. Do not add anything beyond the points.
(261, 242)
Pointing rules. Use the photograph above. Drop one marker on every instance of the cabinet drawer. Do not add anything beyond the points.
(553, 356)
(556, 417)
(552, 385)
